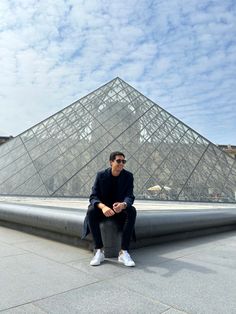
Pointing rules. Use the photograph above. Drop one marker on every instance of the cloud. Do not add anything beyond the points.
(179, 54)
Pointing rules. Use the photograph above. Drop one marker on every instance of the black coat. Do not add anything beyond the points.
(101, 188)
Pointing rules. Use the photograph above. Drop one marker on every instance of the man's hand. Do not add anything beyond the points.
(107, 211)
(118, 207)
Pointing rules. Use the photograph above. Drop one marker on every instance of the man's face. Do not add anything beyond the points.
(118, 164)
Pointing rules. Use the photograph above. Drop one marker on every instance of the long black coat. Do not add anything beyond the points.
(101, 188)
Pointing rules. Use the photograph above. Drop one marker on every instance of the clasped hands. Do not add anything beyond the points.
(116, 208)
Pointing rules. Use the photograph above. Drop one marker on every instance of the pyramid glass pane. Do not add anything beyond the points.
(170, 161)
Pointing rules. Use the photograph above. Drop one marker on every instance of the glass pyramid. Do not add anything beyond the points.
(61, 155)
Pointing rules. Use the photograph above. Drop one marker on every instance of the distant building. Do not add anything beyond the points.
(230, 149)
(4, 139)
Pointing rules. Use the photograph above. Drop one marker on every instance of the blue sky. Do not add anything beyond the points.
(179, 53)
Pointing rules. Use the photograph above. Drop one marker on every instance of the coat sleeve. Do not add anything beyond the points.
(129, 198)
(95, 195)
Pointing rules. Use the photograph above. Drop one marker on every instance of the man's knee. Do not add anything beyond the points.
(94, 213)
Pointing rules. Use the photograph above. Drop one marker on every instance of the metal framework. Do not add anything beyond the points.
(61, 155)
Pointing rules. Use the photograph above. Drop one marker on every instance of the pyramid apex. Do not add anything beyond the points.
(118, 78)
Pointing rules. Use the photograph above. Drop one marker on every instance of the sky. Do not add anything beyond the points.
(179, 53)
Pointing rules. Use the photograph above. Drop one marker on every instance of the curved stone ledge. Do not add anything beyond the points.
(66, 221)
(150, 224)
(65, 224)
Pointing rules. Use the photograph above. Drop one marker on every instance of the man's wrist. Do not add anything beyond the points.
(124, 205)
(101, 206)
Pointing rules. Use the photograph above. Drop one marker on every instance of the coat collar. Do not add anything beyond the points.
(108, 172)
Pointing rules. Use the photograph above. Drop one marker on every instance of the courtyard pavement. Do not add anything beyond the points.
(192, 276)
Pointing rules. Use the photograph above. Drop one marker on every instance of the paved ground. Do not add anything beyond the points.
(82, 203)
(192, 276)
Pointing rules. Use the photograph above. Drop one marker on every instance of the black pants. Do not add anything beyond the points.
(126, 219)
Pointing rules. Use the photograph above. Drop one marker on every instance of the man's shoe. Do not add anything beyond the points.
(125, 258)
(98, 258)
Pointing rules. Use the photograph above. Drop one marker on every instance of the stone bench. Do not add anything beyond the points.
(66, 224)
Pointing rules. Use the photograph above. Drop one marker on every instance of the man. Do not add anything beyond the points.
(112, 198)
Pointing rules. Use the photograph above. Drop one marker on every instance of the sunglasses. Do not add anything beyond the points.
(120, 161)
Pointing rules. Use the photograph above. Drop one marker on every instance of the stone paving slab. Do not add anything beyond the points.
(26, 278)
(109, 269)
(177, 249)
(8, 250)
(61, 252)
(203, 283)
(220, 256)
(174, 311)
(23, 309)
(102, 297)
(11, 236)
(194, 276)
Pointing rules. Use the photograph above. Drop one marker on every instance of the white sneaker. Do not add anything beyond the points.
(125, 258)
(98, 258)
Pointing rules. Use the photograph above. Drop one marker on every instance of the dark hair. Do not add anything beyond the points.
(114, 154)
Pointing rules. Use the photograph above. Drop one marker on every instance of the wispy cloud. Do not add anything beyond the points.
(181, 54)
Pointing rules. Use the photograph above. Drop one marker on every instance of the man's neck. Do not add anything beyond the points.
(115, 173)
